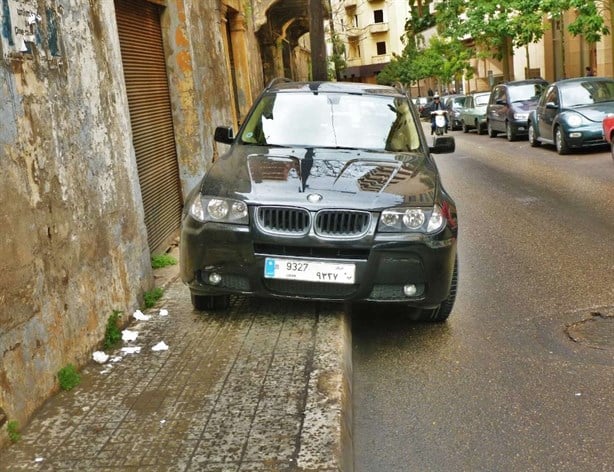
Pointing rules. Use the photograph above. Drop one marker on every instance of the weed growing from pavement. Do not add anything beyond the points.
(151, 297)
(162, 260)
(12, 428)
(112, 334)
(69, 377)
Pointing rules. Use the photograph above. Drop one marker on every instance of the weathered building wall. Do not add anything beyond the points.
(73, 246)
(200, 77)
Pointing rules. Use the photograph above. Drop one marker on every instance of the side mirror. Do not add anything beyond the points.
(224, 134)
(552, 106)
(501, 101)
(443, 145)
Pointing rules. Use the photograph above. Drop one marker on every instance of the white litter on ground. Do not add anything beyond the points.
(138, 314)
(128, 335)
(100, 357)
(131, 350)
(163, 312)
(161, 346)
(115, 359)
(39, 459)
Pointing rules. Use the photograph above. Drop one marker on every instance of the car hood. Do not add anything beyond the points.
(593, 112)
(317, 178)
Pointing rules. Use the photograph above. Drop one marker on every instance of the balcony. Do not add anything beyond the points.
(377, 28)
(381, 59)
(353, 33)
(350, 4)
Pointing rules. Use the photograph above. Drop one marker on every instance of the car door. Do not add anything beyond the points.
(496, 108)
(467, 111)
(547, 110)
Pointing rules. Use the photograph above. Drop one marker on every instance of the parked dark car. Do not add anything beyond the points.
(509, 107)
(570, 113)
(454, 104)
(328, 192)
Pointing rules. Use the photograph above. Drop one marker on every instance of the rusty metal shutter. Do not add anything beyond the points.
(140, 38)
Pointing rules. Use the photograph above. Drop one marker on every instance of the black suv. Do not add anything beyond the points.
(509, 107)
(328, 192)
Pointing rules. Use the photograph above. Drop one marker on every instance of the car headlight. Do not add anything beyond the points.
(400, 220)
(224, 210)
(521, 116)
(573, 120)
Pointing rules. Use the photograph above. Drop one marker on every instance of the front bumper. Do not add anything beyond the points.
(384, 263)
(584, 136)
(520, 127)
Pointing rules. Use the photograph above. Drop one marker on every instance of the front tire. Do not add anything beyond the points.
(612, 148)
(210, 302)
(442, 312)
(532, 137)
(559, 140)
(479, 128)
(465, 127)
(510, 133)
(491, 132)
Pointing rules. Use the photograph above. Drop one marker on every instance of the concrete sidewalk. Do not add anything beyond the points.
(263, 386)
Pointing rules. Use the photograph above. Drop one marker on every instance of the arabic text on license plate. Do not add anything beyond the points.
(310, 271)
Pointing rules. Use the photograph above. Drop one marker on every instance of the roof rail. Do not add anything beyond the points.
(277, 80)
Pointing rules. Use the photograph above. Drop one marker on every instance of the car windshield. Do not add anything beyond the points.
(481, 100)
(521, 93)
(334, 120)
(587, 92)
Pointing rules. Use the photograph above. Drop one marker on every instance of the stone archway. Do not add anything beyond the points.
(280, 25)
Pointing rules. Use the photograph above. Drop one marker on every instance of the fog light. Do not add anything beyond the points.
(575, 135)
(214, 278)
(410, 290)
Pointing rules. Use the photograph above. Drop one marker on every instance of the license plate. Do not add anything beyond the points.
(309, 271)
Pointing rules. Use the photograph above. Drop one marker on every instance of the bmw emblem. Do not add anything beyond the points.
(314, 197)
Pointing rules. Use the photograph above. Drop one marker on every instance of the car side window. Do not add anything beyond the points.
(552, 96)
(547, 97)
(501, 96)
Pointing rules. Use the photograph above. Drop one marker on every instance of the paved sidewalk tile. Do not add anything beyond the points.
(256, 388)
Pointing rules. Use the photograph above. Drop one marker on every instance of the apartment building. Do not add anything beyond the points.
(371, 31)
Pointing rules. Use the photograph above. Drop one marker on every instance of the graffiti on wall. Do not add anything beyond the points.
(22, 28)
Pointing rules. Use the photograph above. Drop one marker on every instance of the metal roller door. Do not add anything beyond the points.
(140, 37)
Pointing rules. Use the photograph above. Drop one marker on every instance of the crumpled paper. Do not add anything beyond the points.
(161, 346)
(138, 315)
(100, 357)
(128, 335)
(131, 350)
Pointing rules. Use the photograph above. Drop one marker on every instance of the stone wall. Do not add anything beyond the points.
(73, 246)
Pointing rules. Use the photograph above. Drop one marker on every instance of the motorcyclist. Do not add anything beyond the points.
(437, 105)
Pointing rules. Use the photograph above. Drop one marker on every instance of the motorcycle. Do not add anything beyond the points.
(441, 121)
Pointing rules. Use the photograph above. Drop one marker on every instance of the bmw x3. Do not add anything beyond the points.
(328, 191)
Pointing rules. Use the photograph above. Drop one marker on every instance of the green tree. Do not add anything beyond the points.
(497, 27)
(443, 59)
(494, 26)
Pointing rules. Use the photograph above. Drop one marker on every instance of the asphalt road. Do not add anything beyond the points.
(521, 377)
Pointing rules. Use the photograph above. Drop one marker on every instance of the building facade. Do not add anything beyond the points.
(107, 113)
(371, 32)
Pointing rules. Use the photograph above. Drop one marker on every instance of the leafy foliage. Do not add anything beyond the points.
(151, 297)
(12, 429)
(159, 261)
(69, 377)
(112, 333)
